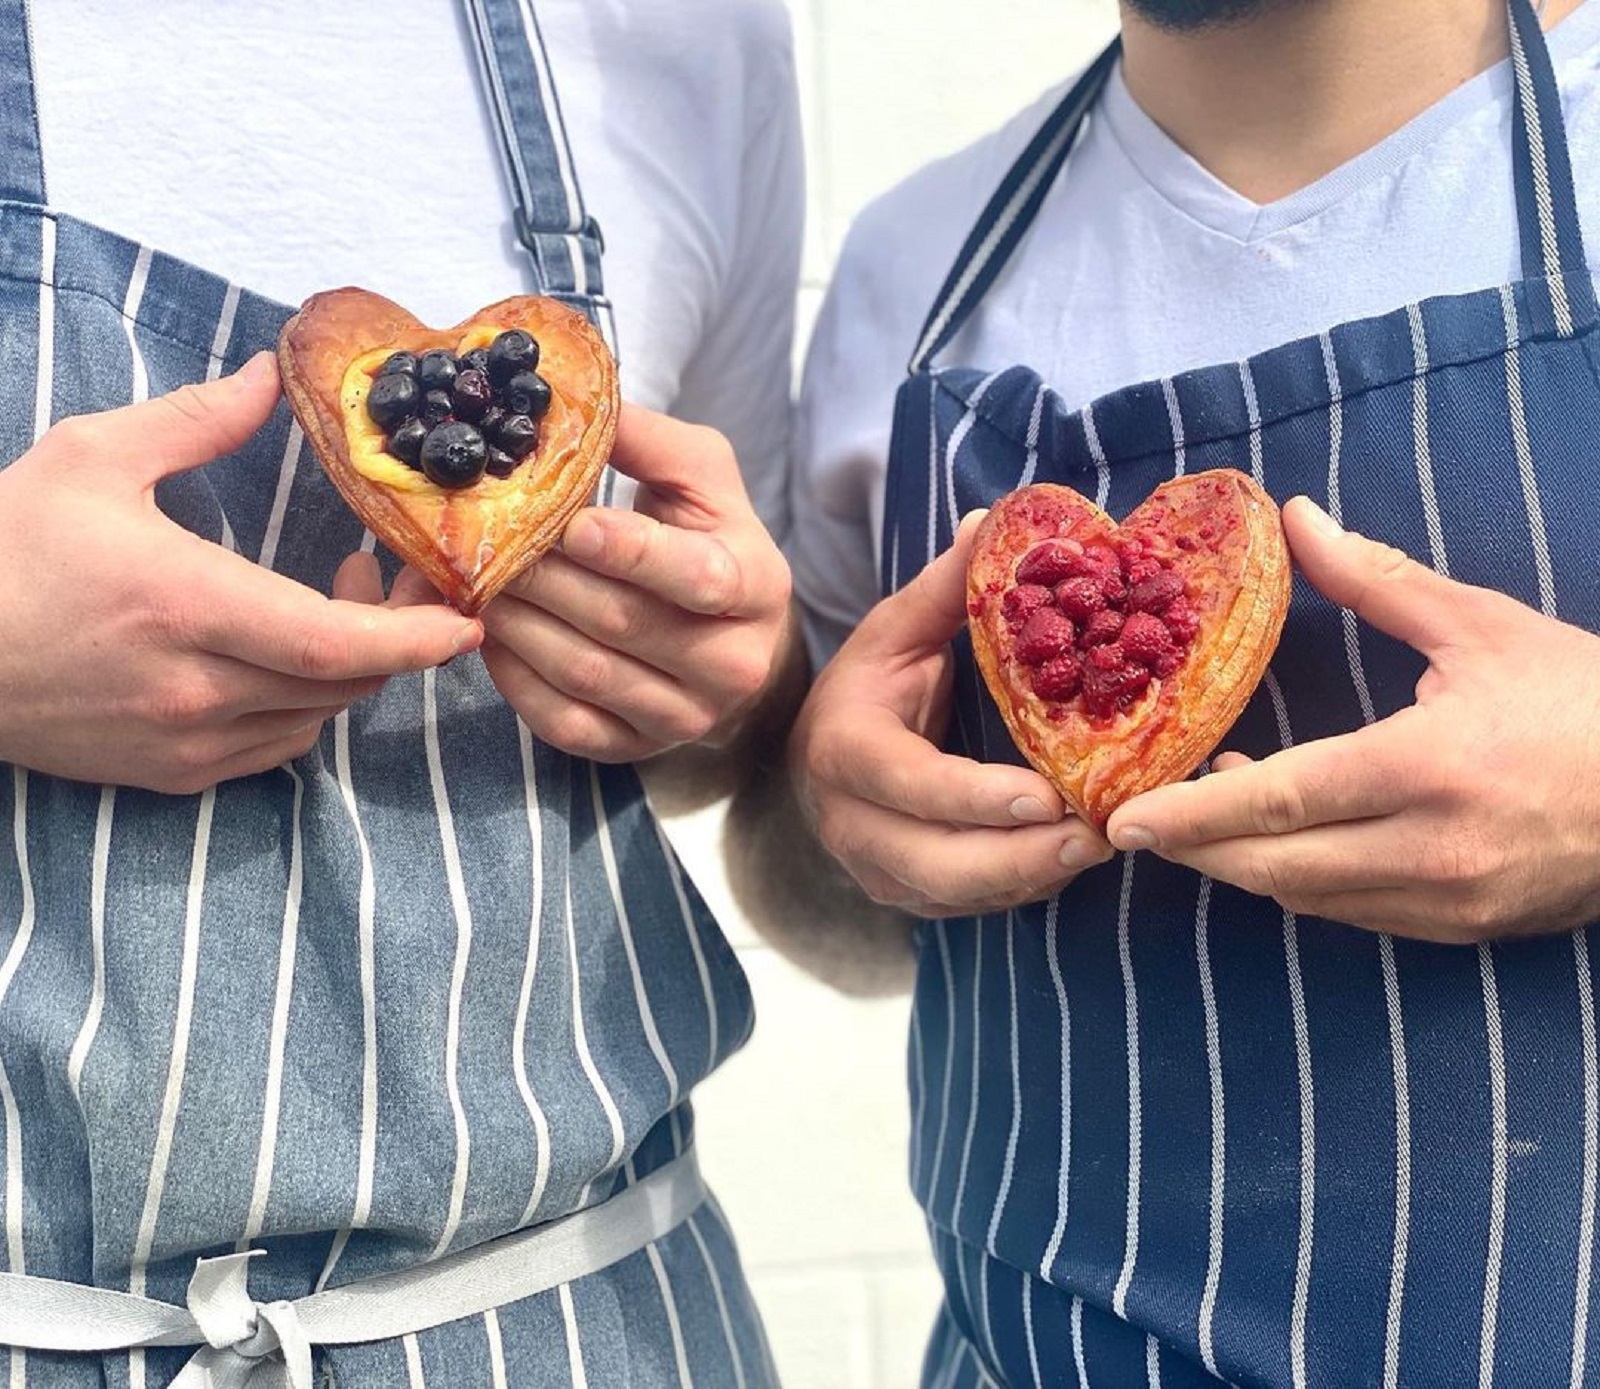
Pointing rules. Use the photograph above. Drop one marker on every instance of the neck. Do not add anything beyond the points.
(1272, 102)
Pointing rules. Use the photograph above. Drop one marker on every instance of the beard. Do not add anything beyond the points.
(1181, 15)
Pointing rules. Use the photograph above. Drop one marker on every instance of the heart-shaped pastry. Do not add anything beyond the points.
(1120, 655)
(465, 450)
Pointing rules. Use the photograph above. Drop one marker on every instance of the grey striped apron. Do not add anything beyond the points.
(1165, 1133)
(430, 984)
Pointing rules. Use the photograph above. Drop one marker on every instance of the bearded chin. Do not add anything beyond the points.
(1197, 14)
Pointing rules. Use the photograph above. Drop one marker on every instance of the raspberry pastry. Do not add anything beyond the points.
(466, 449)
(1119, 656)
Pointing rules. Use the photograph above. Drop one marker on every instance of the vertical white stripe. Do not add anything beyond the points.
(1544, 203)
(1027, 1328)
(97, 939)
(1525, 470)
(280, 499)
(1092, 434)
(977, 1061)
(1180, 455)
(1591, 1156)
(722, 1301)
(44, 379)
(665, 1285)
(413, 1354)
(569, 1328)
(1035, 421)
(1253, 414)
(1130, 1255)
(1402, 1162)
(366, 934)
(497, 1350)
(519, 1032)
(1352, 644)
(1497, 1165)
(462, 912)
(958, 436)
(161, 1153)
(919, 1069)
(283, 994)
(940, 934)
(1219, 1143)
(1152, 1362)
(219, 348)
(15, 1256)
(1009, 1169)
(641, 995)
(686, 914)
(1064, 1165)
(1421, 446)
(1077, 1343)
(580, 1039)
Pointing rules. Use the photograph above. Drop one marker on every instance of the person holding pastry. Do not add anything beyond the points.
(351, 997)
(1285, 1075)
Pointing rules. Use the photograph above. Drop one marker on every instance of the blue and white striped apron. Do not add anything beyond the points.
(431, 983)
(1165, 1132)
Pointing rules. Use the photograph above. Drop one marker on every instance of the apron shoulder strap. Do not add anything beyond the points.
(549, 214)
(21, 164)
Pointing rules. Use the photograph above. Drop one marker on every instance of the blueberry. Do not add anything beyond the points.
(491, 420)
(476, 360)
(392, 398)
(501, 463)
(511, 352)
(437, 370)
(403, 363)
(406, 442)
(518, 436)
(436, 408)
(454, 454)
(527, 393)
(471, 395)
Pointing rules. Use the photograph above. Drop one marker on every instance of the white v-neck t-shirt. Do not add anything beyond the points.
(1142, 265)
(305, 144)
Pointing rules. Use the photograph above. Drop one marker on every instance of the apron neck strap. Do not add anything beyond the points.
(550, 218)
(1561, 298)
(21, 164)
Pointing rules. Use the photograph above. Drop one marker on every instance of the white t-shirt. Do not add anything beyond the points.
(1142, 265)
(307, 144)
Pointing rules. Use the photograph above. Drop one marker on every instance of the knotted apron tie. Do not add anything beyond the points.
(246, 1344)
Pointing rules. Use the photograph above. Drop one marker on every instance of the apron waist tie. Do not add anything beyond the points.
(251, 1345)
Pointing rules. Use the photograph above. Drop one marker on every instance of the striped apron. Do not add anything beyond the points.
(1164, 1132)
(432, 983)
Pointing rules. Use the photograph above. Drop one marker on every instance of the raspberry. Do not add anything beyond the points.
(1082, 597)
(1141, 570)
(1045, 635)
(1144, 638)
(1156, 593)
(1059, 679)
(1104, 626)
(1049, 562)
(1105, 692)
(1167, 662)
(1182, 621)
(1022, 602)
(1108, 657)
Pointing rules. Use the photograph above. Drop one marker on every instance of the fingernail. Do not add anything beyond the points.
(260, 368)
(1132, 837)
(1078, 854)
(1320, 521)
(469, 639)
(1030, 810)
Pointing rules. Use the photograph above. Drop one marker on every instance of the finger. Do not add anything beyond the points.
(647, 699)
(266, 620)
(1230, 761)
(694, 463)
(925, 614)
(227, 690)
(1300, 871)
(411, 589)
(359, 579)
(1355, 776)
(936, 870)
(1377, 582)
(190, 426)
(582, 730)
(686, 568)
(878, 760)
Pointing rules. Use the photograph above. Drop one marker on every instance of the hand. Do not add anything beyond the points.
(1474, 813)
(651, 628)
(136, 653)
(918, 829)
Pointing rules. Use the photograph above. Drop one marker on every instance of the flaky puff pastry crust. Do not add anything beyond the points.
(1222, 534)
(470, 541)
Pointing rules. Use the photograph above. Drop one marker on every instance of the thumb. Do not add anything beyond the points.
(686, 465)
(1378, 583)
(931, 609)
(190, 426)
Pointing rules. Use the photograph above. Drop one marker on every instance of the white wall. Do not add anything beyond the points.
(803, 1134)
